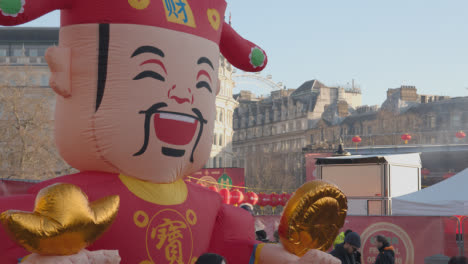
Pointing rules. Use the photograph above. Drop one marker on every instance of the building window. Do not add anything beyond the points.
(298, 125)
(221, 116)
(369, 130)
(17, 52)
(33, 52)
(32, 81)
(234, 163)
(432, 122)
(220, 162)
(311, 139)
(220, 140)
(45, 80)
(3, 52)
(456, 120)
(214, 162)
(214, 139)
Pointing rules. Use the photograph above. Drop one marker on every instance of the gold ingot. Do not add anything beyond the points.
(63, 221)
(312, 218)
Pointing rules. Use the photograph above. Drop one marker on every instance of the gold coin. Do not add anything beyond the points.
(312, 218)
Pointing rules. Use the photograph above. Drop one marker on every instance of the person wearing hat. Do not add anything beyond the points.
(210, 258)
(136, 83)
(248, 207)
(345, 251)
(386, 251)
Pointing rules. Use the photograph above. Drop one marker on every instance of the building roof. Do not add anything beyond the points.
(360, 117)
(29, 34)
(457, 102)
(308, 86)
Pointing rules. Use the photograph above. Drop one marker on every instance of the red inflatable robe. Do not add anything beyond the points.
(145, 232)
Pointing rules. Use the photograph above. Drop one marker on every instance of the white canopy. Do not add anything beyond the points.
(446, 198)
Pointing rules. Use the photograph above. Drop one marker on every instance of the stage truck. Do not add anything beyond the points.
(370, 181)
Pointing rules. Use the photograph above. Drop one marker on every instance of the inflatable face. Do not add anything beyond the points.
(156, 113)
(137, 81)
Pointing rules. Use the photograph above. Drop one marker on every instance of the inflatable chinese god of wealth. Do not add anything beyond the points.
(136, 82)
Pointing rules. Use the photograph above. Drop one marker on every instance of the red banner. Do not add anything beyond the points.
(310, 159)
(413, 237)
(8, 187)
(221, 178)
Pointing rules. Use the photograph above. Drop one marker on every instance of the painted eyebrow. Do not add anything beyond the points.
(148, 49)
(203, 72)
(158, 62)
(205, 60)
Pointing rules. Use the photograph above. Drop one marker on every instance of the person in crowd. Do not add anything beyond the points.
(248, 207)
(276, 236)
(210, 258)
(386, 251)
(357, 254)
(347, 232)
(458, 260)
(345, 251)
(339, 239)
(262, 236)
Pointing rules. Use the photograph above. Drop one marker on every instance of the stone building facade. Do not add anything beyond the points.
(269, 133)
(221, 151)
(428, 119)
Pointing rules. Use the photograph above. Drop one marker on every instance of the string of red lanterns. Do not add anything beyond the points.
(237, 197)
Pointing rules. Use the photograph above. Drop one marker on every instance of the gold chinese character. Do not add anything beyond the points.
(169, 235)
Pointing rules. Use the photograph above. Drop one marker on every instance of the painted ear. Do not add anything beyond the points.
(59, 60)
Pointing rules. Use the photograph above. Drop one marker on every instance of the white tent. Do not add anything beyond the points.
(447, 198)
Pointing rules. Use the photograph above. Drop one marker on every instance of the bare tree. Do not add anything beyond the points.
(26, 128)
(273, 172)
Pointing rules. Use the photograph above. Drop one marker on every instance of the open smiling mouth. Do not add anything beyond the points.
(172, 128)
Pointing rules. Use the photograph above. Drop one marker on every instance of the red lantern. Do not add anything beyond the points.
(460, 135)
(357, 139)
(448, 175)
(263, 200)
(236, 197)
(406, 138)
(284, 199)
(213, 188)
(251, 198)
(274, 200)
(226, 194)
(425, 172)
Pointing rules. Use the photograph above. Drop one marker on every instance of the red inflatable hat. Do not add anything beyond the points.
(203, 18)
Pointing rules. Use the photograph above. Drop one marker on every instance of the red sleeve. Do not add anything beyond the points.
(233, 236)
(10, 252)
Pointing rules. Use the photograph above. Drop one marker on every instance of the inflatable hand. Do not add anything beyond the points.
(314, 256)
(312, 218)
(63, 221)
(83, 257)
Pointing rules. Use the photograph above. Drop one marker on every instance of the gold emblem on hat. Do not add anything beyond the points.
(214, 18)
(139, 4)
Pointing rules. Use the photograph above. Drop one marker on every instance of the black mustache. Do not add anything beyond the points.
(156, 109)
